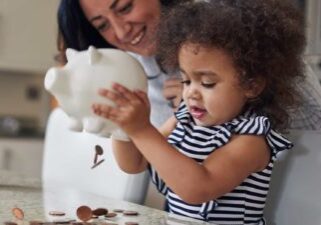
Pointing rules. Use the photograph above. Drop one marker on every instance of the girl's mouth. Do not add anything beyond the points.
(197, 112)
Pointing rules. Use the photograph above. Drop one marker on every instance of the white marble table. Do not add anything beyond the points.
(37, 202)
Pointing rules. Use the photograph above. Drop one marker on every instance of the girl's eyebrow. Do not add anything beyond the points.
(201, 72)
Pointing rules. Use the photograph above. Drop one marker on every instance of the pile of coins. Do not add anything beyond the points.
(84, 214)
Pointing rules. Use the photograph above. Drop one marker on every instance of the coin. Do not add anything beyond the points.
(100, 211)
(97, 164)
(118, 210)
(84, 213)
(130, 213)
(110, 215)
(99, 150)
(131, 223)
(35, 222)
(18, 213)
(56, 213)
(9, 223)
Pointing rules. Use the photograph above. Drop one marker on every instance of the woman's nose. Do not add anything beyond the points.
(122, 29)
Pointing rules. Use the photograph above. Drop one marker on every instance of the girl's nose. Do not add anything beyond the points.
(193, 92)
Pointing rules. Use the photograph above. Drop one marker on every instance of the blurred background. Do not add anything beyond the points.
(28, 33)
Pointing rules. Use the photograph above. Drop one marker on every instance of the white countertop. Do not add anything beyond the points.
(37, 202)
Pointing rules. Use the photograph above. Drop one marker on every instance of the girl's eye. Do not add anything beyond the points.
(208, 85)
(102, 27)
(186, 82)
(126, 8)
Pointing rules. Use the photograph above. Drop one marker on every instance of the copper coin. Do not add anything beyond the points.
(110, 215)
(64, 221)
(118, 210)
(56, 213)
(130, 213)
(100, 211)
(131, 223)
(99, 150)
(77, 223)
(84, 213)
(18, 213)
(35, 222)
(97, 164)
(9, 223)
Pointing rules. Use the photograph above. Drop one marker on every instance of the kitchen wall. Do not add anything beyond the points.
(22, 95)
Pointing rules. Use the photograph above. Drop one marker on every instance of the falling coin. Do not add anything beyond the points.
(84, 213)
(97, 164)
(100, 211)
(99, 150)
(18, 213)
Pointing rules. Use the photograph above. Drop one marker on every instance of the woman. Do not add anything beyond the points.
(129, 25)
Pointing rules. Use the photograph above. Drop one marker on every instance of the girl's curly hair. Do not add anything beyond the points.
(264, 38)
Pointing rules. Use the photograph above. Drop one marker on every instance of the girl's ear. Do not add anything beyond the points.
(255, 87)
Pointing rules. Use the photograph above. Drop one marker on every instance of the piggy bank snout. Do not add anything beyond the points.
(53, 80)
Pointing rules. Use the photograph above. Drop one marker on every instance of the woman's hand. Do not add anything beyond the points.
(172, 91)
(131, 111)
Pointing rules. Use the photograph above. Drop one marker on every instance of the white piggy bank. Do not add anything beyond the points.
(75, 86)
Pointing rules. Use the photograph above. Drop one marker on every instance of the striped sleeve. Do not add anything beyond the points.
(159, 183)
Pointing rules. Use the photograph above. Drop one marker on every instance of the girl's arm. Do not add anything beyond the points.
(195, 183)
(129, 158)
(220, 173)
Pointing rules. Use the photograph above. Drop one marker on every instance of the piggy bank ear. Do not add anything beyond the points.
(70, 53)
(94, 55)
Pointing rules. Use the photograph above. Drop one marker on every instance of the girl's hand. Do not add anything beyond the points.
(131, 111)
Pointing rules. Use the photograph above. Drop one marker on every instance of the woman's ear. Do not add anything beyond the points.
(255, 87)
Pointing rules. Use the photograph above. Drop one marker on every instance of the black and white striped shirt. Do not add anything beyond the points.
(243, 205)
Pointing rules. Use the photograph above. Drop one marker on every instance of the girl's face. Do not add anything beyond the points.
(129, 25)
(212, 91)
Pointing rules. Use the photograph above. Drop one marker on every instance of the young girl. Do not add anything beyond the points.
(213, 160)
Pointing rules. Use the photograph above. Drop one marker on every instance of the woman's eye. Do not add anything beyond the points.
(186, 82)
(208, 85)
(126, 9)
(103, 26)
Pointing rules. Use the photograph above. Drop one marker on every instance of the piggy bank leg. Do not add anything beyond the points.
(93, 125)
(75, 125)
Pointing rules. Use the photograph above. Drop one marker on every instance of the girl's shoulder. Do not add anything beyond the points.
(248, 123)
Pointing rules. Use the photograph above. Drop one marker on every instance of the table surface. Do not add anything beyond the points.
(37, 202)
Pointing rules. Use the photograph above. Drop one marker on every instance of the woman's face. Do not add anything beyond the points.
(129, 25)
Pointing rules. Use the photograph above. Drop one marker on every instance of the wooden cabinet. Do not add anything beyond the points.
(23, 156)
(28, 31)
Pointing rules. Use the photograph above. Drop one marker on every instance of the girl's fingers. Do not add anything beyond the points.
(105, 111)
